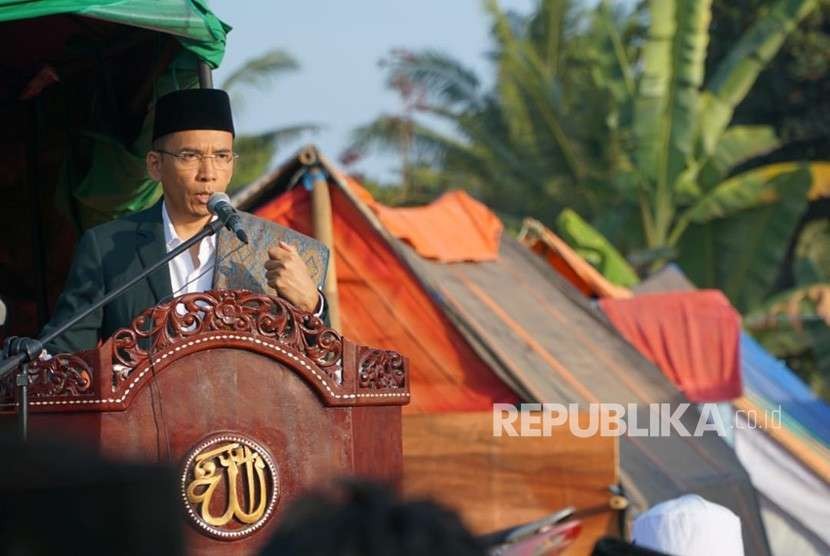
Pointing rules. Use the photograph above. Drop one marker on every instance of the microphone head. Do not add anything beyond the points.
(217, 198)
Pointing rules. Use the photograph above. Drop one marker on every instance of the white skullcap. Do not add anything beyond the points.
(690, 526)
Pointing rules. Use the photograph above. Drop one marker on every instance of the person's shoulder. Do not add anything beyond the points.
(126, 222)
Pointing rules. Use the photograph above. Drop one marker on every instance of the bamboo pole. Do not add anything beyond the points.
(323, 228)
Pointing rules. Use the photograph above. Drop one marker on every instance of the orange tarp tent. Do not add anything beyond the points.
(449, 375)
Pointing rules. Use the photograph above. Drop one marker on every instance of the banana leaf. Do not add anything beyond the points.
(688, 57)
(653, 91)
(741, 235)
(737, 145)
(738, 71)
(750, 189)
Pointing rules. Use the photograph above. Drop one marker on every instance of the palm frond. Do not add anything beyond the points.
(520, 63)
(260, 71)
(546, 29)
(392, 134)
(443, 79)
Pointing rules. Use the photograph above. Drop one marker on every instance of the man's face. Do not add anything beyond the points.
(186, 180)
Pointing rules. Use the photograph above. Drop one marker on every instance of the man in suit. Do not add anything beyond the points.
(192, 156)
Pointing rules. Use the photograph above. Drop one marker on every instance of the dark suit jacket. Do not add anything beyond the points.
(110, 254)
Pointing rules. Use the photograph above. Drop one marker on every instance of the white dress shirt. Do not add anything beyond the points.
(187, 276)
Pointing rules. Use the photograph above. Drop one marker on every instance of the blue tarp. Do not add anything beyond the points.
(773, 383)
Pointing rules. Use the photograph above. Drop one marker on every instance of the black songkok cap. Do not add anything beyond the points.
(192, 109)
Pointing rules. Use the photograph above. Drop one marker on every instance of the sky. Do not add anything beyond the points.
(338, 44)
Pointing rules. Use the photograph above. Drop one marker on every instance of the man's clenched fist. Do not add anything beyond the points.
(288, 274)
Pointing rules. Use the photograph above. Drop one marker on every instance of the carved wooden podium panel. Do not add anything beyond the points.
(251, 400)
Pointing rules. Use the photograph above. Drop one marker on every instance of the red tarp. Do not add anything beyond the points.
(694, 337)
(383, 305)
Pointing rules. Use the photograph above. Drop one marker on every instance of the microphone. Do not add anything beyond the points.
(220, 205)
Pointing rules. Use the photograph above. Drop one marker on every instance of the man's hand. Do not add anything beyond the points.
(288, 274)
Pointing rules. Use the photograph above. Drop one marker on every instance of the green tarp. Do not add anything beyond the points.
(113, 181)
(190, 21)
(79, 141)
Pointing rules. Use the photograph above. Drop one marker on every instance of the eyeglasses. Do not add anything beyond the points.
(193, 159)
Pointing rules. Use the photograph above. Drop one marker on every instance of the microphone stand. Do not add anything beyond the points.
(27, 350)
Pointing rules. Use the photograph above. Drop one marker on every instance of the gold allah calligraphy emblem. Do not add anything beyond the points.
(229, 486)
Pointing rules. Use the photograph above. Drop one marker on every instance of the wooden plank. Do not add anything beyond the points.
(497, 482)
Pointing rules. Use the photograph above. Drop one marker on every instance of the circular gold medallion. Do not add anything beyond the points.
(229, 486)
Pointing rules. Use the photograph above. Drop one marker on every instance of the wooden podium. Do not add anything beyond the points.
(250, 399)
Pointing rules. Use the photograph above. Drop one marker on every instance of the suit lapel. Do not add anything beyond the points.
(151, 248)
